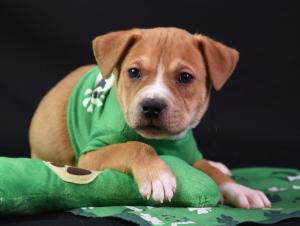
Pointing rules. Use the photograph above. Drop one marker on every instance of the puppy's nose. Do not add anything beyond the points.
(152, 108)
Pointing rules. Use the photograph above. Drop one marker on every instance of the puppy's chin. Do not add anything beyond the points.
(153, 132)
(157, 128)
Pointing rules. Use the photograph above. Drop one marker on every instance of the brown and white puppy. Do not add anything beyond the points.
(169, 65)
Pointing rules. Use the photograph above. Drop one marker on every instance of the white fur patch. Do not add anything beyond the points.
(157, 88)
(220, 166)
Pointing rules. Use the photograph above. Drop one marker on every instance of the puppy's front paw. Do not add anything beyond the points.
(156, 181)
(244, 197)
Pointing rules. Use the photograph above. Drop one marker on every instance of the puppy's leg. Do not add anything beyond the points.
(233, 193)
(220, 166)
(153, 176)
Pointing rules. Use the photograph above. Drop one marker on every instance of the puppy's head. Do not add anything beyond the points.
(164, 76)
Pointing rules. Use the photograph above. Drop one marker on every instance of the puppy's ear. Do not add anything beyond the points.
(110, 49)
(220, 60)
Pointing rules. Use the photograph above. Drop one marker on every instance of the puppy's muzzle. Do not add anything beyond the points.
(152, 108)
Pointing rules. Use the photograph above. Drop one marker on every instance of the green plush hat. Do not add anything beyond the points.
(31, 186)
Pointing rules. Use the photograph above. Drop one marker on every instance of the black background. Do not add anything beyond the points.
(253, 121)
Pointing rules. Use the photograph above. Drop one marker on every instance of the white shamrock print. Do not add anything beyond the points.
(152, 220)
(276, 189)
(292, 178)
(183, 222)
(94, 98)
(134, 208)
(296, 187)
(200, 210)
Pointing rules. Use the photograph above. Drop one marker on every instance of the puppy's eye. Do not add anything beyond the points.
(185, 78)
(134, 73)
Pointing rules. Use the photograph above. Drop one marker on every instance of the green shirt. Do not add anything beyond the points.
(95, 120)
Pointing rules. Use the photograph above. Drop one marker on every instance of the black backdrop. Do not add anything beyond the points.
(252, 121)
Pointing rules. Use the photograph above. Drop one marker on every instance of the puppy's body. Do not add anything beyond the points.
(162, 87)
(48, 133)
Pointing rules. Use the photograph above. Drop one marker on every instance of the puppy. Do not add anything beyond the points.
(149, 89)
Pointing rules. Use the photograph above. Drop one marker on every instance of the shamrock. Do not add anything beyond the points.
(94, 97)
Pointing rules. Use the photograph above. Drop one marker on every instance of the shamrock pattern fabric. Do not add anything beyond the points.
(281, 185)
(94, 98)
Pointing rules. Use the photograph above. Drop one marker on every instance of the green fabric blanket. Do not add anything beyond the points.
(282, 186)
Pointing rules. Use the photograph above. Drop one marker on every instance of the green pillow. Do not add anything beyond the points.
(32, 186)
